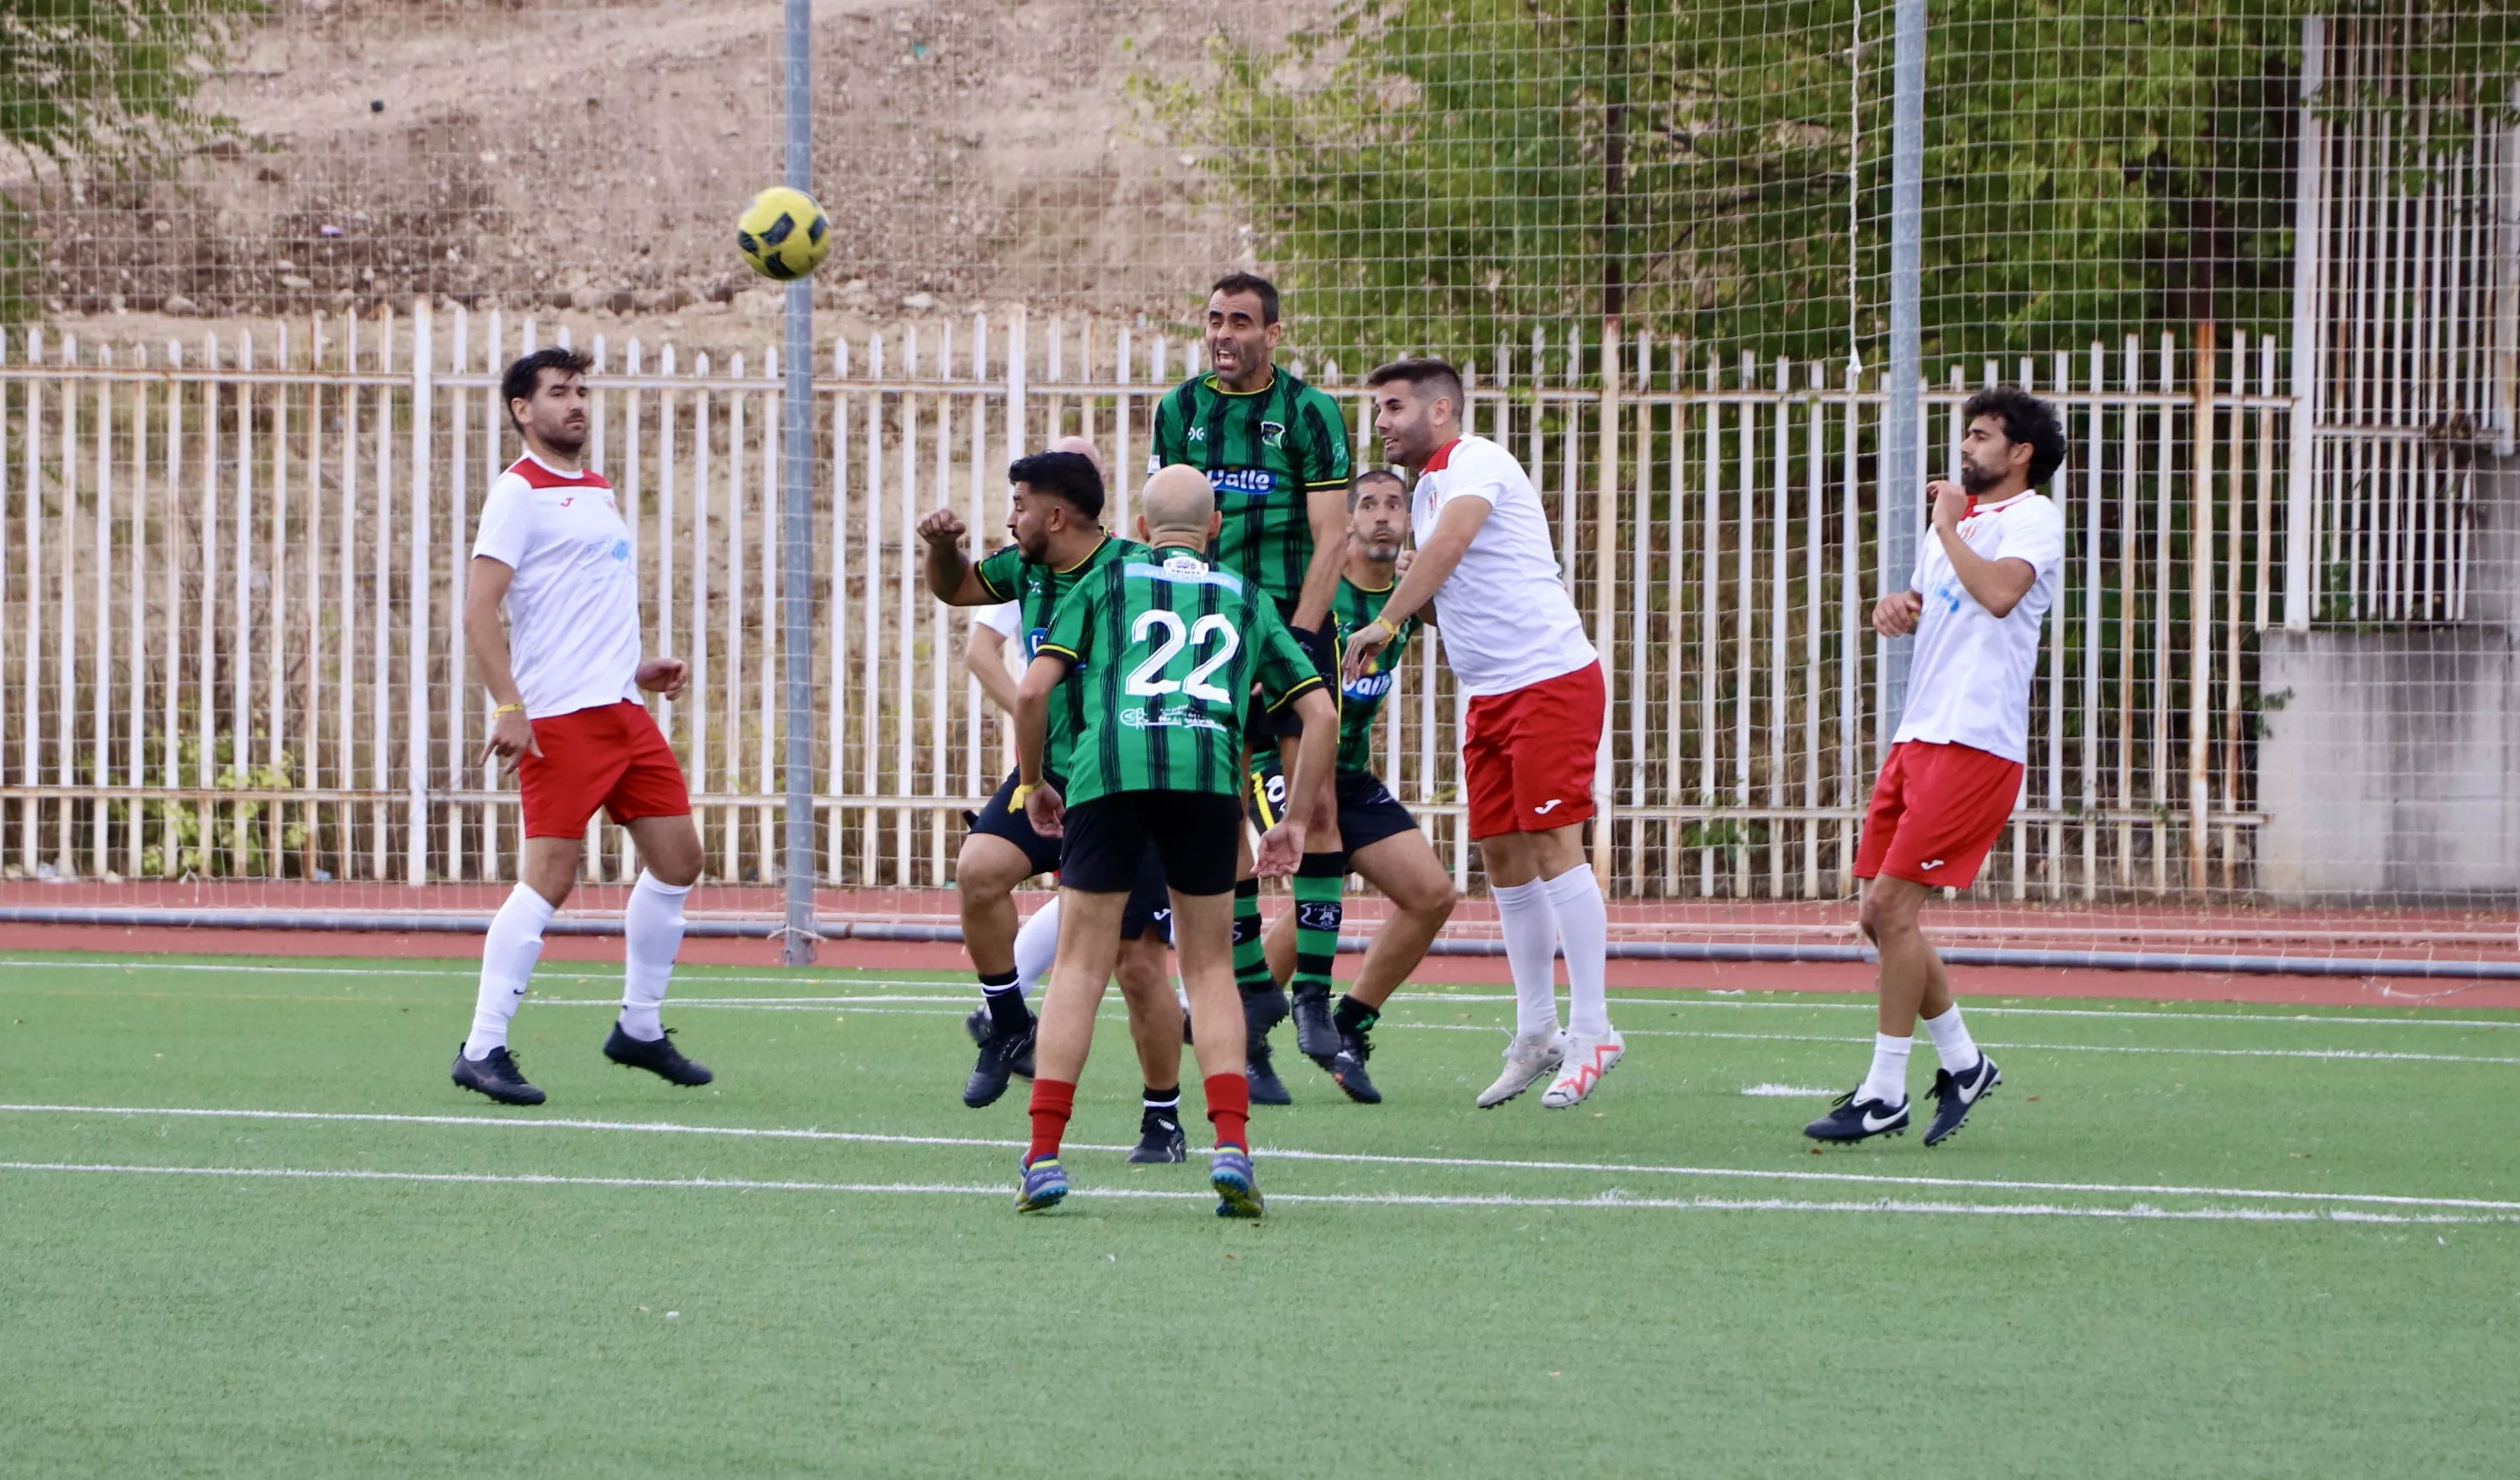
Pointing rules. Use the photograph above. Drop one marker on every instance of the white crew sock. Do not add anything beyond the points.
(1531, 949)
(1887, 1081)
(652, 931)
(1584, 930)
(508, 957)
(1951, 1042)
(1036, 947)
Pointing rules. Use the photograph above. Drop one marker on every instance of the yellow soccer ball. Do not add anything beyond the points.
(783, 234)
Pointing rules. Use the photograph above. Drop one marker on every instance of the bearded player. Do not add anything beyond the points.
(1537, 703)
(1168, 650)
(1053, 516)
(1277, 452)
(1382, 840)
(565, 679)
(1983, 585)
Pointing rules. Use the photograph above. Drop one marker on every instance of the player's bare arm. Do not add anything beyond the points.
(1437, 556)
(486, 638)
(1996, 585)
(1326, 509)
(1043, 805)
(984, 656)
(1281, 847)
(952, 578)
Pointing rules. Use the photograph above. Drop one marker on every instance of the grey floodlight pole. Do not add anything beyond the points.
(796, 496)
(1903, 409)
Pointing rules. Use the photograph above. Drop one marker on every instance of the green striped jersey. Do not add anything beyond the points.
(1167, 649)
(1265, 451)
(1354, 607)
(1036, 590)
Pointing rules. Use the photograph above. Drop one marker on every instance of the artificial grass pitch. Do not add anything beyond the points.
(2163, 1248)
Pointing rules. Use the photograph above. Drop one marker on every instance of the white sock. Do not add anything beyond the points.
(1951, 1042)
(1889, 1080)
(1531, 949)
(508, 957)
(651, 930)
(1036, 947)
(1584, 930)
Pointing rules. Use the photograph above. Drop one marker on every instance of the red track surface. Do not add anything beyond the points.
(2450, 935)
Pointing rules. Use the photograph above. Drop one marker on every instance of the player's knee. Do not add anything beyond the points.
(676, 872)
(1878, 918)
(1432, 902)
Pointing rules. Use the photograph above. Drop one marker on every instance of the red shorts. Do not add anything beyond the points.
(1528, 755)
(611, 756)
(1937, 811)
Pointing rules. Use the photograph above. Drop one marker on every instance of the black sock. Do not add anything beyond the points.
(1354, 1016)
(1007, 1008)
(1164, 1101)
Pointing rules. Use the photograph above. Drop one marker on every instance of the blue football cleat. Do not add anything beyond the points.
(1237, 1191)
(1045, 1184)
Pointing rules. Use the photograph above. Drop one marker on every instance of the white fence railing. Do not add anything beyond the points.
(230, 573)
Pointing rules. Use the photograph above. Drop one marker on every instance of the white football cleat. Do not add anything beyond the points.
(1579, 1072)
(1527, 1061)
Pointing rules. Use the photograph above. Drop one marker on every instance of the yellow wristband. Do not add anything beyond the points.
(507, 710)
(1384, 623)
(1016, 802)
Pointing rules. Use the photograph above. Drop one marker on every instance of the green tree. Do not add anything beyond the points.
(1444, 173)
(99, 88)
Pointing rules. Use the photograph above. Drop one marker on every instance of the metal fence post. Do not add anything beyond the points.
(416, 713)
(796, 482)
(2309, 320)
(1903, 408)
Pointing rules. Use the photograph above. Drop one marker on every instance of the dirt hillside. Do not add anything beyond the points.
(592, 159)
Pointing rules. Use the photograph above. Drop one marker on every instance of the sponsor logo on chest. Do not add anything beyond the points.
(1251, 482)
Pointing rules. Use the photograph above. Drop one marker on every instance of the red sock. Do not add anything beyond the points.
(1228, 1108)
(1052, 1101)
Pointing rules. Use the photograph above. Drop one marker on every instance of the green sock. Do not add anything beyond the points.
(1250, 960)
(1319, 881)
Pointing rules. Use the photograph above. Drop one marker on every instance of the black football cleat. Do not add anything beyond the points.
(1347, 1068)
(1160, 1139)
(1265, 1087)
(1316, 1037)
(496, 1076)
(977, 1025)
(1003, 1053)
(1854, 1119)
(1956, 1095)
(659, 1057)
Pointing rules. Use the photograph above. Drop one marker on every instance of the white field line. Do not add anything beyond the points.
(885, 1006)
(1612, 1198)
(1657, 997)
(1783, 1092)
(1274, 1154)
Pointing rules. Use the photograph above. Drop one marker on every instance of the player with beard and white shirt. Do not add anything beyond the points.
(1983, 585)
(565, 676)
(1537, 700)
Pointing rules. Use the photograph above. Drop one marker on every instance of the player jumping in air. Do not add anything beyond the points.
(1166, 649)
(1536, 707)
(565, 680)
(1382, 842)
(1277, 452)
(1054, 514)
(1983, 586)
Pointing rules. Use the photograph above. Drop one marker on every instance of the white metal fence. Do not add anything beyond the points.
(230, 574)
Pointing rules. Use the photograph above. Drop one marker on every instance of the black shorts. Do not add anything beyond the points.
(1194, 832)
(1149, 909)
(1268, 727)
(998, 819)
(1150, 904)
(1368, 812)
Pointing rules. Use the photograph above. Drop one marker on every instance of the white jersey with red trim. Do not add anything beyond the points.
(1970, 681)
(1503, 614)
(574, 604)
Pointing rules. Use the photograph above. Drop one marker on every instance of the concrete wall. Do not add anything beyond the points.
(2391, 762)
